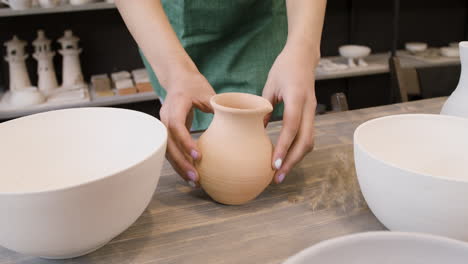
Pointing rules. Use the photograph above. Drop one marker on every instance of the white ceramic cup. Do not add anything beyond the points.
(18, 4)
(49, 3)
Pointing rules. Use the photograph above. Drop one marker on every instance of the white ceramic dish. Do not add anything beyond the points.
(413, 172)
(354, 51)
(71, 180)
(385, 248)
(450, 51)
(415, 47)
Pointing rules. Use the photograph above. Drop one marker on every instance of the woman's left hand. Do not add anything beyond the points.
(292, 80)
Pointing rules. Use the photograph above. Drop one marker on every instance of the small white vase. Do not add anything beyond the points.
(457, 104)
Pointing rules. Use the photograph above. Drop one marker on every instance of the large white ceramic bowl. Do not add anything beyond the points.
(354, 51)
(413, 172)
(71, 180)
(386, 248)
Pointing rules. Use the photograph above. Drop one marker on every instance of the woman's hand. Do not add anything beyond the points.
(188, 90)
(291, 80)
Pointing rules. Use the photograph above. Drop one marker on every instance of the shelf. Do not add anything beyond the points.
(8, 12)
(378, 64)
(102, 101)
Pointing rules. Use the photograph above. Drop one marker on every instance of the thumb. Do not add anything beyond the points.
(268, 94)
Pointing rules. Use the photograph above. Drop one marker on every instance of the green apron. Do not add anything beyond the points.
(233, 43)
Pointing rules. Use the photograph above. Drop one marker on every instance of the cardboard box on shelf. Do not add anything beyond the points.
(121, 75)
(124, 83)
(102, 85)
(104, 93)
(144, 87)
(127, 91)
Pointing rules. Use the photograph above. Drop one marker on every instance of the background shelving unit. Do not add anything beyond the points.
(7, 12)
(108, 47)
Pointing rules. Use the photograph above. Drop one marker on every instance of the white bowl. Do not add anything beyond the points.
(25, 97)
(415, 47)
(354, 51)
(450, 51)
(71, 180)
(385, 247)
(413, 172)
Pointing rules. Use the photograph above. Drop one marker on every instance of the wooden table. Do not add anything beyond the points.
(319, 200)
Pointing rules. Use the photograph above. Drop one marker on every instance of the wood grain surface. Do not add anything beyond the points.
(319, 200)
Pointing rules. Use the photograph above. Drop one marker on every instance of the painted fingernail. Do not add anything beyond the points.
(192, 176)
(278, 163)
(281, 178)
(194, 154)
(192, 184)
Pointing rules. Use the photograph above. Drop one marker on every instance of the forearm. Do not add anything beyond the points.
(305, 22)
(150, 27)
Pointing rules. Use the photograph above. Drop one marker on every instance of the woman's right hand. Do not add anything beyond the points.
(188, 90)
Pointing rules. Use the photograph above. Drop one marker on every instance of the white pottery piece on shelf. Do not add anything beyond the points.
(25, 97)
(353, 53)
(18, 4)
(415, 47)
(71, 66)
(49, 3)
(413, 172)
(47, 82)
(19, 78)
(453, 44)
(81, 2)
(449, 51)
(106, 166)
(457, 103)
(69, 95)
(389, 247)
(326, 65)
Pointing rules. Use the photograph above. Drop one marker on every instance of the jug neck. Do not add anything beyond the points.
(236, 110)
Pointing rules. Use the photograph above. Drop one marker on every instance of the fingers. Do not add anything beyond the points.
(203, 103)
(181, 163)
(179, 131)
(291, 123)
(270, 96)
(181, 148)
(303, 143)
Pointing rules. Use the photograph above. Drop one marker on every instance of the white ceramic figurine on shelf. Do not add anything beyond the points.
(355, 53)
(71, 67)
(47, 82)
(457, 104)
(16, 57)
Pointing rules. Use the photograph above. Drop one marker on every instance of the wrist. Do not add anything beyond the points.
(305, 47)
(173, 69)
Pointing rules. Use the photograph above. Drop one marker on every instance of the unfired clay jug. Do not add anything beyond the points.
(236, 151)
(457, 104)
